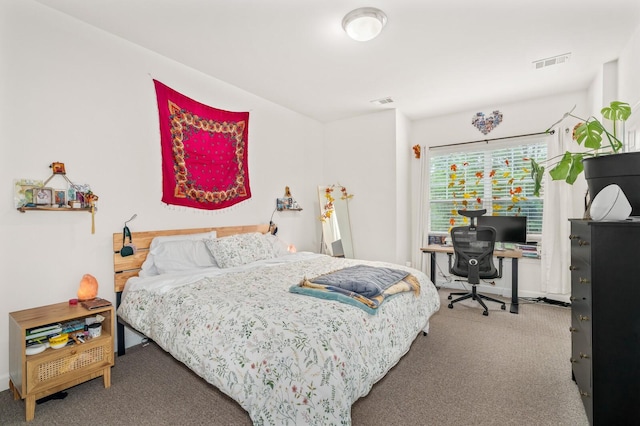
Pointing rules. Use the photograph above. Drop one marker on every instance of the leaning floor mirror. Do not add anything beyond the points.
(336, 226)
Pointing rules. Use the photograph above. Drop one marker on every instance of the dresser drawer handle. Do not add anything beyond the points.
(572, 299)
(583, 318)
(584, 356)
(583, 393)
(583, 243)
(583, 280)
(573, 268)
(573, 330)
(573, 236)
(573, 360)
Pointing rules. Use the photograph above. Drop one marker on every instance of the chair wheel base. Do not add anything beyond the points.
(450, 305)
(503, 307)
(485, 313)
(449, 297)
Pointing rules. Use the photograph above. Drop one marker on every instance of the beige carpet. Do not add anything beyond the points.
(503, 369)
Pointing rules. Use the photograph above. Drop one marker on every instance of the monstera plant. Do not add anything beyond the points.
(590, 133)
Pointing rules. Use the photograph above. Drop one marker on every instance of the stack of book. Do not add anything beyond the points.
(529, 250)
(39, 335)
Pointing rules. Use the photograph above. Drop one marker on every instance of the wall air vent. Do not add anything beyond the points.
(555, 60)
(382, 101)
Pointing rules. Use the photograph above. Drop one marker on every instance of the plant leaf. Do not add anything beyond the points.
(576, 168)
(616, 111)
(561, 170)
(589, 134)
(537, 173)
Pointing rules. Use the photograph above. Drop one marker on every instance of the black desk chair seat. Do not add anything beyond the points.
(473, 251)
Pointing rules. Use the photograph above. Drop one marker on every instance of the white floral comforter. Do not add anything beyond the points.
(287, 359)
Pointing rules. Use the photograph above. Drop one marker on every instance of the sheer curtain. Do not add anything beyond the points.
(421, 237)
(558, 208)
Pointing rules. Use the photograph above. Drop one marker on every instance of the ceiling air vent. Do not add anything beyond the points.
(382, 101)
(555, 60)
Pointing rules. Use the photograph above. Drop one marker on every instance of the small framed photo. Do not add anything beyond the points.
(284, 203)
(58, 168)
(42, 196)
(59, 197)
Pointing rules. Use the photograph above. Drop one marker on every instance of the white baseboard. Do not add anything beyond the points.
(502, 291)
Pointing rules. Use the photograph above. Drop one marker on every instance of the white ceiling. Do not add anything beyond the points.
(434, 56)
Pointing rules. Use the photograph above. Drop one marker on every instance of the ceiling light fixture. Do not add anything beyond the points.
(364, 24)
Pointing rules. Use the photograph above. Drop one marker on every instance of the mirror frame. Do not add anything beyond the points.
(336, 223)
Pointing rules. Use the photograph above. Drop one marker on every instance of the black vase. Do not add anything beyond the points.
(621, 169)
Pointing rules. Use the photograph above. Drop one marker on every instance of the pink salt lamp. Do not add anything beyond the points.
(88, 287)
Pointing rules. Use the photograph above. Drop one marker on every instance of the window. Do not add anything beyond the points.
(492, 176)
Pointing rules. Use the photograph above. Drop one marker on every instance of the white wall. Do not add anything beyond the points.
(403, 157)
(629, 70)
(77, 95)
(360, 154)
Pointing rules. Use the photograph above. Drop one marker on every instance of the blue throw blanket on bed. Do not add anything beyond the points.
(365, 287)
(368, 281)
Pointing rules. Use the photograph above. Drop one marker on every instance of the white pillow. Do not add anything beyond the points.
(280, 248)
(240, 249)
(149, 269)
(175, 256)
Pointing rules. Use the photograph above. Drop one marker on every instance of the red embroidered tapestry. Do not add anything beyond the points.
(204, 152)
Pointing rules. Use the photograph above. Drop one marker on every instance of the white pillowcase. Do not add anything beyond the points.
(175, 256)
(149, 268)
(240, 249)
(280, 248)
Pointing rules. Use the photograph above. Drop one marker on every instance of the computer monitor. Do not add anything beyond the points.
(509, 229)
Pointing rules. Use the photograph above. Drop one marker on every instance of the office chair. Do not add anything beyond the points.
(473, 250)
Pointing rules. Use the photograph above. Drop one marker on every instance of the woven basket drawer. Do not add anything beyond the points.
(67, 364)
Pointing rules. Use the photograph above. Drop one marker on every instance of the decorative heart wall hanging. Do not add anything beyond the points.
(485, 125)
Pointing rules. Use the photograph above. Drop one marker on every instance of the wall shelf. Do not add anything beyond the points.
(55, 209)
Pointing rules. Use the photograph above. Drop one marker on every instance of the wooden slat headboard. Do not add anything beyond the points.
(126, 267)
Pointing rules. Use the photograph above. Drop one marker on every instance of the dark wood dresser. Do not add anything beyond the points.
(605, 324)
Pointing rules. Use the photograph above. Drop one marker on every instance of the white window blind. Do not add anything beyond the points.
(495, 177)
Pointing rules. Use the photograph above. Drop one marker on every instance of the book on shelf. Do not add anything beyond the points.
(95, 303)
(527, 246)
(532, 254)
(42, 332)
(74, 325)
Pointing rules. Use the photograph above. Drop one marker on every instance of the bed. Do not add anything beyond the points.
(287, 358)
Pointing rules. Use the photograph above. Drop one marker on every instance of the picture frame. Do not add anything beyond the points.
(59, 197)
(42, 196)
(58, 168)
(22, 193)
(283, 203)
(287, 203)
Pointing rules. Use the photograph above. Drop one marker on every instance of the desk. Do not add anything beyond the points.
(514, 255)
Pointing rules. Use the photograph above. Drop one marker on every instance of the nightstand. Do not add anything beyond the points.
(36, 376)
